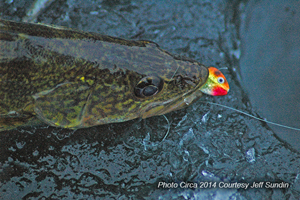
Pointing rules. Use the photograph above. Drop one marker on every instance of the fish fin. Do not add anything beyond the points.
(62, 106)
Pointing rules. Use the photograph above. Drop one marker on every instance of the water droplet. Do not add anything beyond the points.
(208, 174)
(186, 155)
(35, 153)
(12, 149)
(20, 145)
(60, 165)
(205, 117)
(250, 155)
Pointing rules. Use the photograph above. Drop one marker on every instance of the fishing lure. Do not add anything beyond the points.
(74, 79)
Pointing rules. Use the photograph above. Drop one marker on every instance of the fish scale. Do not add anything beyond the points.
(74, 79)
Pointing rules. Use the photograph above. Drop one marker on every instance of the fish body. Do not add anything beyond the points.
(74, 79)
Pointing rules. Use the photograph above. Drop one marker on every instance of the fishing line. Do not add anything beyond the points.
(222, 68)
(249, 115)
(168, 129)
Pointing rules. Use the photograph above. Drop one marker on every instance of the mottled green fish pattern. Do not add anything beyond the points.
(74, 79)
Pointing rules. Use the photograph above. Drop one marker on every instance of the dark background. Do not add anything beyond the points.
(270, 63)
(127, 160)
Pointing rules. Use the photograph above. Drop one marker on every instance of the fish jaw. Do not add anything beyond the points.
(161, 108)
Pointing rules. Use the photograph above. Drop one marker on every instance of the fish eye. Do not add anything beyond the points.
(148, 86)
(150, 90)
(221, 80)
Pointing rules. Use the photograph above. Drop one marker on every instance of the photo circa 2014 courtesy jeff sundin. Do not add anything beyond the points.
(236, 185)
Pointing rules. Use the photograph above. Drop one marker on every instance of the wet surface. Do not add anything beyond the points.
(128, 160)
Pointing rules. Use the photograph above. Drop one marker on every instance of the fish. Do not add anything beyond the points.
(74, 79)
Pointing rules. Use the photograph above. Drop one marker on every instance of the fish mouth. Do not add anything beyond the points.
(164, 107)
